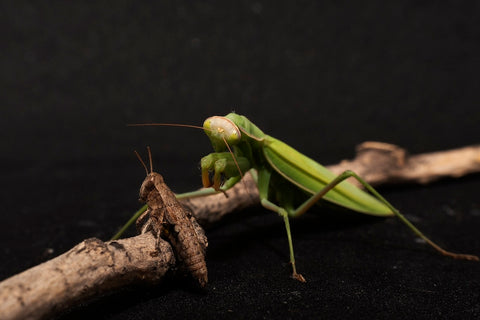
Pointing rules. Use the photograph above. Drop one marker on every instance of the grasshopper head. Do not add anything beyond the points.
(221, 130)
(147, 187)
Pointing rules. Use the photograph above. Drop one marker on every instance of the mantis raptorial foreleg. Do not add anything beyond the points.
(222, 164)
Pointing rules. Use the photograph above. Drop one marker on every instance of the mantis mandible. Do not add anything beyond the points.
(289, 182)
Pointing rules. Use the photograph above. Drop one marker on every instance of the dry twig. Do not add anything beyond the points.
(94, 267)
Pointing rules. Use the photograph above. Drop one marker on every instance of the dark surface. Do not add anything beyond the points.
(321, 76)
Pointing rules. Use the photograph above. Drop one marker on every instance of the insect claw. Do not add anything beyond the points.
(225, 193)
(462, 256)
(299, 277)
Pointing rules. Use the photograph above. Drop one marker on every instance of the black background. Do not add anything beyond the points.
(321, 76)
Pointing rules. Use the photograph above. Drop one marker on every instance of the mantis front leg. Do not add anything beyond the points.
(130, 222)
(223, 164)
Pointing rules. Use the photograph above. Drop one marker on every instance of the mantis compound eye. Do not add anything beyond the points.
(222, 129)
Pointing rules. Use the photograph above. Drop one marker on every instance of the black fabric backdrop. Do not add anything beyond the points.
(321, 76)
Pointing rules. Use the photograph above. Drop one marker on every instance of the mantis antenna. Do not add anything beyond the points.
(165, 125)
(186, 126)
(233, 156)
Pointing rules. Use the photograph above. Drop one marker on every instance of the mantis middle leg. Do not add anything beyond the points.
(263, 188)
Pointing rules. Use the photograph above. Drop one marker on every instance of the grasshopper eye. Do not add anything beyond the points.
(222, 129)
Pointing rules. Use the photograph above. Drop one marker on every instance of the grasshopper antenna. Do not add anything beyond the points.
(150, 158)
(141, 161)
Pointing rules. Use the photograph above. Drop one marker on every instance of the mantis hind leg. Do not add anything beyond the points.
(347, 174)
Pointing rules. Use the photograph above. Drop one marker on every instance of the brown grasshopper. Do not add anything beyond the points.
(166, 218)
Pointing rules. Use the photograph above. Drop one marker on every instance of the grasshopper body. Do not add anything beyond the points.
(168, 219)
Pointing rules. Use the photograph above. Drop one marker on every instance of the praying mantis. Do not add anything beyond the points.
(289, 182)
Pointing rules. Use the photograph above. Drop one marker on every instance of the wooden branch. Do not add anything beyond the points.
(382, 163)
(94, 267)
(89, 269)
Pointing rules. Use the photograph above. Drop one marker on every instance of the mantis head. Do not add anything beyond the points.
(221, 131)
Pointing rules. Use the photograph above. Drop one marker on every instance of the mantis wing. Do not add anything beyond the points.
(312, 177)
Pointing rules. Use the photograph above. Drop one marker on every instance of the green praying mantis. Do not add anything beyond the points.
(289, 182)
